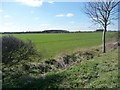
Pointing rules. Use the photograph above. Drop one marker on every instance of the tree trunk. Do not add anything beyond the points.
(104, 40)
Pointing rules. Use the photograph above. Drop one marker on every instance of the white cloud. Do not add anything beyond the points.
(33, 3)
(6, 16)
(60, 15)
(51, 2)
(70, 15)
(65, 15)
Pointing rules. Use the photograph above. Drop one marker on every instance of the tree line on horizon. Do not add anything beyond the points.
(52, 31)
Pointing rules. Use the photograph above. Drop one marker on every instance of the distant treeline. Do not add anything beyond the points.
(52, 31)
(45, 31)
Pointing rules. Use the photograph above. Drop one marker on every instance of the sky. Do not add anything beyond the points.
(36, 15)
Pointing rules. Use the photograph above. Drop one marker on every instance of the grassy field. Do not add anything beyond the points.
(54, 44)
(86, 68)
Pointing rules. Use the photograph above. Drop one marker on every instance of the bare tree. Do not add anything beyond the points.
(102, 12)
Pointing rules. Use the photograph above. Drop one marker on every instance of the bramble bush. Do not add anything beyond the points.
(15, 50)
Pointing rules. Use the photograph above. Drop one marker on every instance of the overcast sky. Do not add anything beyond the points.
(36, 15)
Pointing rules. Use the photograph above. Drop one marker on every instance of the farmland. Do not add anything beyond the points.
(61, 43)
(82, 65)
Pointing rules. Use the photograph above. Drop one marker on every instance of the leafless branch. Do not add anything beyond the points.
(102, 12)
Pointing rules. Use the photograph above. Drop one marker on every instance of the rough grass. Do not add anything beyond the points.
(99, 72)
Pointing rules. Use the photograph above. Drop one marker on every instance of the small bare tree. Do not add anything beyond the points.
(102, 12)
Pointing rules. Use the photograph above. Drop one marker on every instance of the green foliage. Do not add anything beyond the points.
(14, 49)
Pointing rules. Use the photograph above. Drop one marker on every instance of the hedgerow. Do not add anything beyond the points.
(15, 50)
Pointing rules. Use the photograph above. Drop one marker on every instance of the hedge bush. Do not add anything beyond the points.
(14, 49)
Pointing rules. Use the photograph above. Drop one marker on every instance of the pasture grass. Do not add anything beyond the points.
(50, 45)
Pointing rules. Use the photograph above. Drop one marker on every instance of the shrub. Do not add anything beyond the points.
(14, 49)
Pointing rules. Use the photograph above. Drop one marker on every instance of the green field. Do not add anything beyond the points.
(61, 43)
(85, 68)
